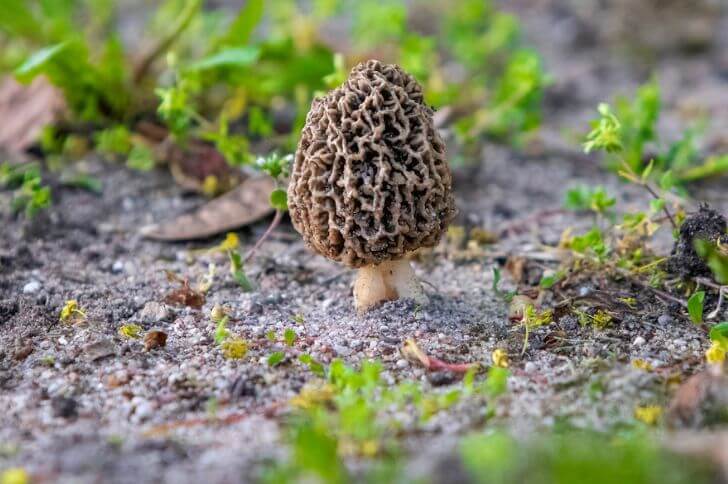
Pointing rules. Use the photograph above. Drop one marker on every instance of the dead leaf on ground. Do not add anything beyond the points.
(242, 206)
(712, 447)
(98, 349)
(25, 111)
(412, 352)
(183, 295)
(516, 267)
(701, 400)
(200, 167)
(155, 338)
(23, 352)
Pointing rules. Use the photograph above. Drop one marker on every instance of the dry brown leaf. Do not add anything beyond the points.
(711, 446)
(702, 398)
(183, 295)
(516, 266)
(412, 352)
(155, 338)
(25, 111)
(199, 164)
(243, 205)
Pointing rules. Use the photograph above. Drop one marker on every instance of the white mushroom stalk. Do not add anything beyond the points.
(386, 282)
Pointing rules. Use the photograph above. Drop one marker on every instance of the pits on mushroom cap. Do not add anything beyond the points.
(370, 181)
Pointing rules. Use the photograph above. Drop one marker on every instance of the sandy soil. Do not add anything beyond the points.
(81, 404)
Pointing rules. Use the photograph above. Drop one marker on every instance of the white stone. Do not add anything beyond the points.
(31, 287)
(638, 341)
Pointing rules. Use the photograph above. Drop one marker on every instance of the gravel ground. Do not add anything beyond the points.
(78, 403)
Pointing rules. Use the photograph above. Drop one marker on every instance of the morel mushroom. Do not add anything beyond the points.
(370, 182)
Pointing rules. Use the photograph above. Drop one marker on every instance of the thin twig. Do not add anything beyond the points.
(721, 294)
(266, 234)
(708, 282)
(660, 293)
(664, 206)
(716, 311)
(166, 42)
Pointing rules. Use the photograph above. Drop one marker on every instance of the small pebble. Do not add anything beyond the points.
(402, 363)
(118, 267)
(342, 350)
(638, 341)
(529, 367)
(31, 287)
(143, 408)
(154, 312)
(664, 319)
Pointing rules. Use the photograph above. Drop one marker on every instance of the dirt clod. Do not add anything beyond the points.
(64, 407)
(705, 224)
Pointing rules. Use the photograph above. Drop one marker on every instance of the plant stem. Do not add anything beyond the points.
(664, 207)
(274, 223)
(183, 21)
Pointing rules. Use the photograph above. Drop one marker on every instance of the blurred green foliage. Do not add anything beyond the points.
(233, 78)
(29, 194)
(356, 413)
(575, 456)
(628, 134)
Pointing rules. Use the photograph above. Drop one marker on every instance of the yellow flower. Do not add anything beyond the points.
(71, 312)
(649, 414)
(642, 365)
(231, 242)
(130, 331)
(16, 475)
(234, 348)
(715, 354)
(500, 358)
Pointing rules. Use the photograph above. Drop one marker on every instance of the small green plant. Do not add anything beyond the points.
(313, 365)
(130, 331)
(628, 134)
(590, 244)
(506, 296)
(237, 270)
(716, 259)
(234, 348)
(356, 413)
(30, 196)
(290, 336)
(596, 199)
(221, 331)
(276, 358)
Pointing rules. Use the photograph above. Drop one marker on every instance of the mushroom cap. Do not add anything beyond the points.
(370, 181)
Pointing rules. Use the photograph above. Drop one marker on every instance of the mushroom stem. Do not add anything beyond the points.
(386, 282)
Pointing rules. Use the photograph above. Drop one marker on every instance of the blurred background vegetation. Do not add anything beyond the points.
(243, 78)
